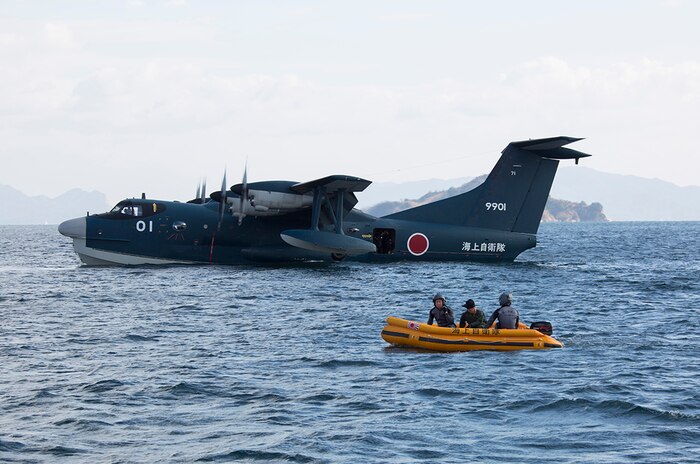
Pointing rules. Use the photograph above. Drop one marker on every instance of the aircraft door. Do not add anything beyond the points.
(384, 240)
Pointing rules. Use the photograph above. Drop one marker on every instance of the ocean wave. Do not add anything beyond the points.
(319, 398)
(255, 455)
(616, 408)
(187, 389)
(6, 445)
(56, 295)
(185, 307)
(435, 393)
(140, 338)
(339, 363)
(63, 451)
(103, 386)
(85, 425)
(44, 393)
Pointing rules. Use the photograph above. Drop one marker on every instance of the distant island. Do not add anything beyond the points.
(569, 211)
(555, 210)
(19, 209)
(626, 198)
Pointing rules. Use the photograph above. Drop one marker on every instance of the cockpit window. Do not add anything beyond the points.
(128, 210)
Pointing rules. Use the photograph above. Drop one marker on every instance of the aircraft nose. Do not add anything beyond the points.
(74, 228)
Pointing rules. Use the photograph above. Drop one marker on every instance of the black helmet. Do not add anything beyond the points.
(438, 296)
(505, 299)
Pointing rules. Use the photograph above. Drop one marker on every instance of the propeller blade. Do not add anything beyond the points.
(204, 190)
(244, 194)
(198, 191)
(222, 203)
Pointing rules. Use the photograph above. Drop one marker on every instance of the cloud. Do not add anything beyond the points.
(143, 93)
(59, 35)
(619, 83)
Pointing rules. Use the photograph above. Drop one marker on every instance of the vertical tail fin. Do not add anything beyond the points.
(512, 197)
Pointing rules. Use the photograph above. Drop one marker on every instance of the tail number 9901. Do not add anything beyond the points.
(495, 206)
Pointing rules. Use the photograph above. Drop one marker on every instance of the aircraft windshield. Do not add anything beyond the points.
(128, 210)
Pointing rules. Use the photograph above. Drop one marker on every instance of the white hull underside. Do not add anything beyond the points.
(93, 257)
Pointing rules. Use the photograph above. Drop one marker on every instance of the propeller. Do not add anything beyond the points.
(244, 194)
(222, 201)
(221, 197)
(203, 193)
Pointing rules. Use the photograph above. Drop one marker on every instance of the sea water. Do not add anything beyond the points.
(286, 363)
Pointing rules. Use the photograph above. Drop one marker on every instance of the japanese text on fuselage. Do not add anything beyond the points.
(484, 247)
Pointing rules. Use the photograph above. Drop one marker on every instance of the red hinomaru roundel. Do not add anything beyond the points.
(418, 244)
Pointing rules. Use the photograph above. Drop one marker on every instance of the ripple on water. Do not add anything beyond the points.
(615, 409)
(246, 455)
(185, 308)
(140, 338)
(342, 363)
(64, 451)
(83, 425)
(8, 445)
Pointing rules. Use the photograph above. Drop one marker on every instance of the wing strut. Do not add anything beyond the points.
(341, 212)
(316, 208)
(336, 214)
(335, 242)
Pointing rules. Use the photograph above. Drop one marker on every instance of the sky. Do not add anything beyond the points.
(126, 97)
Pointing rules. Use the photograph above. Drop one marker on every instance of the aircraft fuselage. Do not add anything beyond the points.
(277, 221)
(167, 232)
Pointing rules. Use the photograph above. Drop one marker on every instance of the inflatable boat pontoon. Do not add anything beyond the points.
(402, 332)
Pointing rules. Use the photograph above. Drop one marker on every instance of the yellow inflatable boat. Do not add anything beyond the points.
(402, 332)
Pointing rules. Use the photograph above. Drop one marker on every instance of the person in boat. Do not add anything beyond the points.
(441, 313)
(507, 316)
(473, 317)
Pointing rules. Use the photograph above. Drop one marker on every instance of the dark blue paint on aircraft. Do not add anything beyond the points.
(277, 221)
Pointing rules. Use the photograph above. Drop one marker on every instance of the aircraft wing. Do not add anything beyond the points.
(331, 185)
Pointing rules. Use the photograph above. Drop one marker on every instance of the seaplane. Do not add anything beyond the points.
(287, 221)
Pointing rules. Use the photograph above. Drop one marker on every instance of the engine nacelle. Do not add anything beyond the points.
(270, 203)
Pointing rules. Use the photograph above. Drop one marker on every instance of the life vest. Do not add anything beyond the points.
(508, 317)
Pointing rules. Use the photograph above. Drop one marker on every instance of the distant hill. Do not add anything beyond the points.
(18, 208)
(555, 210)
(626, 198)
(569, 211)
(394, 191)
(390, 207)
(629, 198)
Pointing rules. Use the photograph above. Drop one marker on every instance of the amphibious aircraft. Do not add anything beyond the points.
(276, 221)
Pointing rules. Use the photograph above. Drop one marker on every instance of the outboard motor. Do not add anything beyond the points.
(542, 326)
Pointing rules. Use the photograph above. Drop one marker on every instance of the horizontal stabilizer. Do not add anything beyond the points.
(550, 147)
(330, 242)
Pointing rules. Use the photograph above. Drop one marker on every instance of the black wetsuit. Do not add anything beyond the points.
(508, 318)
(444, 316)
